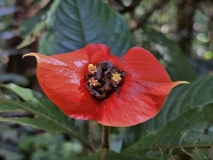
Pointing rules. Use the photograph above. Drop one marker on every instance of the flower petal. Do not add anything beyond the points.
(140, 64)
(138, 101)
(62, 78)
(143, 93)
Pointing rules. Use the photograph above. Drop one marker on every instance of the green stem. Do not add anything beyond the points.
(105, 137)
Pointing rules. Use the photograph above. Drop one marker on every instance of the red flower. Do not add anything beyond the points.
(138, 84)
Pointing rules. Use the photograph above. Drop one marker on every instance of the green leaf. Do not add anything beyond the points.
(31, 37)
(50, 146)
(109, 155)
(197, 154)
(25, 93)
(33, 26)
(179, 100)
(47, 115)
(191, 129)
(185, 121)
(169, 54)
(77, 23)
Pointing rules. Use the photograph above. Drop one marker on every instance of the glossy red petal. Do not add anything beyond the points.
(138, 101)
(62, 78)
(143, 93)
(140, 64)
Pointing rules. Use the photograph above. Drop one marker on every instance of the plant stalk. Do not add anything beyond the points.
(105, 137)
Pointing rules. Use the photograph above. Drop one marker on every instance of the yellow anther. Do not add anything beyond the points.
(94, 82)
(91, 69)
(116, 77)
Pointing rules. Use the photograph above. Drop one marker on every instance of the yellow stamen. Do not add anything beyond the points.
(91, 69)
(116, 77)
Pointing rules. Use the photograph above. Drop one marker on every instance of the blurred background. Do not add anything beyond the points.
(170, 29)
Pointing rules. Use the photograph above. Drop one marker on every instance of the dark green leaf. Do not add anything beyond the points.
(169, 54)
(197, 154)
(77, 23)
(50, 146)
(109, 155)
(185, 121)
(33, 26)
(47, 115)
(191, 129)
(179, 100)
(25, 93)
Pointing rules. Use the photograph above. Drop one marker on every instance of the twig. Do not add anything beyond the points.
(105, 137)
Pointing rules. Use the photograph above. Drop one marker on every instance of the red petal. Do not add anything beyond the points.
(138, 102)
(143, 93)
(62, 78)
(140, 64)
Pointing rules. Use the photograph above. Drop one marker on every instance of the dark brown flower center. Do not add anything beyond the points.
(103, 79)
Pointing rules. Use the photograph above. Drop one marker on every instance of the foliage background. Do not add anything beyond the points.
(178, 32)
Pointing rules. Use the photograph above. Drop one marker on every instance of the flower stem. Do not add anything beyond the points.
(105, 137)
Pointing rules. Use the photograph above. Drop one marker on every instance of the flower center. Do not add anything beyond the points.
(103, 79)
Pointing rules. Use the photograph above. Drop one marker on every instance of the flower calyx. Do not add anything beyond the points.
(103, 79)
